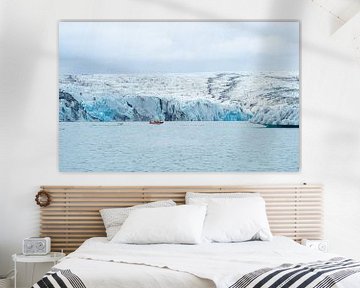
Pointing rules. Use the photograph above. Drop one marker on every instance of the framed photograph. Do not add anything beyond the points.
(167, 96)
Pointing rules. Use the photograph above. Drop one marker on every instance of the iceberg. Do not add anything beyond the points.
(71, 110)
(267, 98)
(277, 116)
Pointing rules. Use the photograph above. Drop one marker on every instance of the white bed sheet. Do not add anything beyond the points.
(101, 274)
(100, 263)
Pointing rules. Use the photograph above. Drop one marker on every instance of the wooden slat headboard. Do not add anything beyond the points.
(73, 215)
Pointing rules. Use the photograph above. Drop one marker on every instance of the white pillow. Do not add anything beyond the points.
(113, 218)
(204, 198)
(181, 224)
(236, 220)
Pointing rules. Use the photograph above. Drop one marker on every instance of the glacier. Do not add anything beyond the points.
(266, 98)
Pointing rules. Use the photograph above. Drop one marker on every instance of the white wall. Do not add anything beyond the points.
(29, 99)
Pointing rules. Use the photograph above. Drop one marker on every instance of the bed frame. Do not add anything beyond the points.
(73, 214)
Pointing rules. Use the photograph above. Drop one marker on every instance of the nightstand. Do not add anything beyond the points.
(320, 245)
(52, 257)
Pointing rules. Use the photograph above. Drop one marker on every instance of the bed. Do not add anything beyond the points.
(99, 263)
(294, 211)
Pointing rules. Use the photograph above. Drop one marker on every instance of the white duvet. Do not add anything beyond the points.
(100, 263)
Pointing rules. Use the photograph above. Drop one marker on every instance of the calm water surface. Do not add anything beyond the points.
(177, 147)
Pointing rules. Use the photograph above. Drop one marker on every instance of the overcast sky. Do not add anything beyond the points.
(143, 47)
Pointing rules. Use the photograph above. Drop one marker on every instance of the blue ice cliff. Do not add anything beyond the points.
(268, 98)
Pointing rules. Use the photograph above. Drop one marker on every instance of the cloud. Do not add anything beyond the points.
(101, 47)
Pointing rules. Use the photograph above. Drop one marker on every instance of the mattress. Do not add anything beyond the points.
(99, 263)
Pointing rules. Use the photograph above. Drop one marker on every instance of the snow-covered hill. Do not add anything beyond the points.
(270, 98)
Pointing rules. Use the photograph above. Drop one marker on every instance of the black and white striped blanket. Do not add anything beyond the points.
(320, 274)
(57, 278)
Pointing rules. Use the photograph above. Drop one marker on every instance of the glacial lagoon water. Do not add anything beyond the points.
(203, 146)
